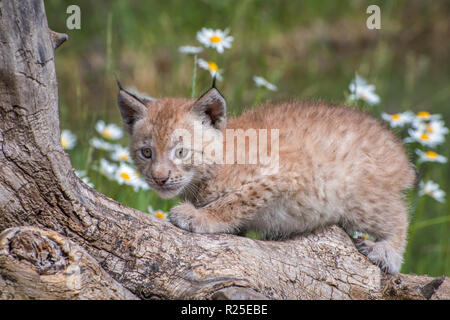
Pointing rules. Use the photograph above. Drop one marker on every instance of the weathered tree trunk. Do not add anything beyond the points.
(84, 245)
(39, 263)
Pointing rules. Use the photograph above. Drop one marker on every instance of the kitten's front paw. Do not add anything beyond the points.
(187, 217)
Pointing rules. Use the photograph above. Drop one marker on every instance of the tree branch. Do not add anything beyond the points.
(151, 258)
(57, 38)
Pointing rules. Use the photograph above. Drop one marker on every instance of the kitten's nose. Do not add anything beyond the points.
(161, 180)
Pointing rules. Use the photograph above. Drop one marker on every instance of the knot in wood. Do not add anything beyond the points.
(44, 254)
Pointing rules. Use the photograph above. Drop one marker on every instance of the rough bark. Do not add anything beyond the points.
(37, 263)
(122, 250)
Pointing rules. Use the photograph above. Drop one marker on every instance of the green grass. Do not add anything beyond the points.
(309, 49)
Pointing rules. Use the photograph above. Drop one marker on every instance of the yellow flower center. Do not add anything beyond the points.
(215, 38)
(107, 133)
(125, 176)
(423, 114)
(429, 128)
(124, 157)
(63, 143)
(431, 154)
(160, 215)
(396, 117)
(213, 66)
(424, 136)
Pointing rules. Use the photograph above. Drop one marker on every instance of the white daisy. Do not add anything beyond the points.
(103, 145)
(82, 175)
(125, 174)
(216, 39)
(359, 234)
(87, 181)
(398, 119)
(158, 213)
(120, 153)
(68, 139)
(428, 134)
(190, 49)
(431, 189)
(261, 82)
(360, 90)
(107, 168)
(424, 138)
(430, 156)
(110, 131)
(211, 66)
(436, 127)
(141, 185)
(426, 116)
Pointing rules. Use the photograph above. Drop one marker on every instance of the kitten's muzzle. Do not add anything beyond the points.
(160, 180)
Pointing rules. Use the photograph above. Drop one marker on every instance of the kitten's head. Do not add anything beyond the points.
(162, 135)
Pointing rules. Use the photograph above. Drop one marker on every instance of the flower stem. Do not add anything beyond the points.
(194, 77)
(430, 222)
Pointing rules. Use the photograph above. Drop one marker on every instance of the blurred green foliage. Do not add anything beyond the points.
(309, 49)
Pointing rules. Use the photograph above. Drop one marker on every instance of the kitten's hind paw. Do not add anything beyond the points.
(380, 253)
(364, 245)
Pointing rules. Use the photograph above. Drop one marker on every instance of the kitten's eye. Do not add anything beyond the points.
(146, 153)
(181, 153)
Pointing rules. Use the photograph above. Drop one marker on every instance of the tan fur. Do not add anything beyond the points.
(337, 165)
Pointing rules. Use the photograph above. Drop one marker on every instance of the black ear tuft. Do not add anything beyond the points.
(132, 108)
(214, 82)
(118, 83)
(212, 107)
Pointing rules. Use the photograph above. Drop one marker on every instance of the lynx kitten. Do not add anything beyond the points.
(335, 165)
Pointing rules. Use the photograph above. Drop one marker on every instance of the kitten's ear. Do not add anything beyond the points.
(131, 108)
(212, 107)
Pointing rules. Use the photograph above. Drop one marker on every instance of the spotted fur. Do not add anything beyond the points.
(337, 165)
